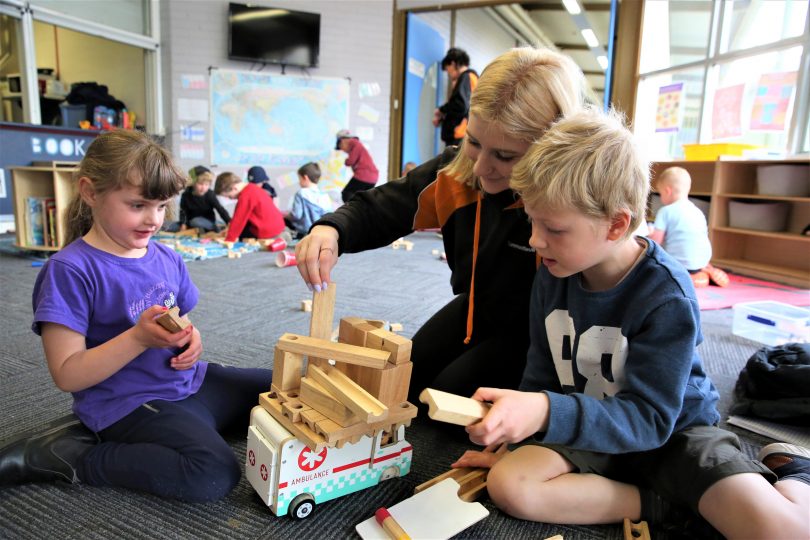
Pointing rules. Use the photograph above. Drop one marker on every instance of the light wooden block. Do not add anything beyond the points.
(306, 306)
(172, 321)
(636, 531)
(389, 385)
(293, 408)
(349, 393)
(453, 409)
(323, 314)
(398, 346)
(352, 330)
(339, 352)
(272, 405)
(287, 366)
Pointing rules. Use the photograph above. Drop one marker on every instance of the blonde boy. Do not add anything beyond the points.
(614, 398)
(680, 228)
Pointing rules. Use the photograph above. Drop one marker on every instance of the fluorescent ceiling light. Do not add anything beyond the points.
(590, 37)
(603, 61)
(572, 7)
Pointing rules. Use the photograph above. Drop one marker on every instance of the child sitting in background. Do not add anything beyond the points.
(681, 229)
(255, 215)
(198, 202)
(155, 410)
(257, 175)
(309, 203)
(618, 414)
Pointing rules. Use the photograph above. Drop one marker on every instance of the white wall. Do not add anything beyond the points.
(356, 41)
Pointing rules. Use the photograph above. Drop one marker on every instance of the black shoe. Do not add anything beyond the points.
(46, 456)
(788, 461)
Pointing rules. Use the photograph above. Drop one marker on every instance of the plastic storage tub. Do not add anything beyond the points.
(771, 323)
(783, 180)
(710, 152)
(758, 216)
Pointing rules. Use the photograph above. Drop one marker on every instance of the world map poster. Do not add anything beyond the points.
(275, 120)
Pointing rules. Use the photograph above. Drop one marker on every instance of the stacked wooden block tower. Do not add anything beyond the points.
(364, 392)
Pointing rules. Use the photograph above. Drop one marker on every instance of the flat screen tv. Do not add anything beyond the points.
(273, 35)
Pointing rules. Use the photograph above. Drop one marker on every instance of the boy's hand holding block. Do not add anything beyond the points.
(451, 408)
(172, 321)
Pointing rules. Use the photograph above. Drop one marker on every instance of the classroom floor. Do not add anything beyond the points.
(245, 305)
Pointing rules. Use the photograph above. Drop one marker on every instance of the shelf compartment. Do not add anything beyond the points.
(771, 255)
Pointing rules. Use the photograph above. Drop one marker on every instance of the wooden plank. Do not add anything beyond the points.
(293, 408)
(451, 408)
(287, 366)
(323, 313)
(348, 392)
(317, 397)
(339, 352)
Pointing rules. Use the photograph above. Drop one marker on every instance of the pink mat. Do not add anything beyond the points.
(745, 289)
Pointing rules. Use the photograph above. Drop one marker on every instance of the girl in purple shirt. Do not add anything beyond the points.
(150, 409)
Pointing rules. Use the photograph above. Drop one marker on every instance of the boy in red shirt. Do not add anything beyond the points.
(255, 215)
(364, 172)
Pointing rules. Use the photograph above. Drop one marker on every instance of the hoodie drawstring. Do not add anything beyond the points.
(470, 306)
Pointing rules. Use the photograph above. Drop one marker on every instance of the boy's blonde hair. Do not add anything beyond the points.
(587, 161)
(677, 178)
(120, 158)
(225, 181)
(523, 90)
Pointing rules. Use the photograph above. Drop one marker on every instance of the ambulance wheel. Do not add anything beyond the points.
(389, 473)
(302, 506)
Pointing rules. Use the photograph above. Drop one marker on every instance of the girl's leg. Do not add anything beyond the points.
(202, 223)
(536, 483)
(168, 448)
(229, 393)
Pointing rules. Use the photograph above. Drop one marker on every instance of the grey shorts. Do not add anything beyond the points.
(680, 471)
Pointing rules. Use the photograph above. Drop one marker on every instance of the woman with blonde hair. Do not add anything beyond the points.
(482, 334)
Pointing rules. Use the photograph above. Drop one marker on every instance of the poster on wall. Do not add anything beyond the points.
(275, 120)
(772, 101)
(726, 112)
(668, 114)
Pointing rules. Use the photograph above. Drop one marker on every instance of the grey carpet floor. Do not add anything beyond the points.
(245, 305)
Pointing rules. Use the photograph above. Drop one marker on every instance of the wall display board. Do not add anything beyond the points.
(275, 120)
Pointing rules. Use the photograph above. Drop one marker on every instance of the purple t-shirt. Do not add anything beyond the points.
(100, 295)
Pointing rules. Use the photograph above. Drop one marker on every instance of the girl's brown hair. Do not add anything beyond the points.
(120, 158)
(225, 181)
(524, 91)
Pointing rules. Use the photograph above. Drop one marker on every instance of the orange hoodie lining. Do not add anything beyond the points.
(471, 303)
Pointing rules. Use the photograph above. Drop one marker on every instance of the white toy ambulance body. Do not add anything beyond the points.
(291, 478)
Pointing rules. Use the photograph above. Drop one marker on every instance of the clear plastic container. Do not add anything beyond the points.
(771, 323)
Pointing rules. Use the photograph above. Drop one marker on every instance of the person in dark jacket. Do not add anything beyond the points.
(257, 175)
(481, 336)
(364, 172)
(198, 202)
(453, 115)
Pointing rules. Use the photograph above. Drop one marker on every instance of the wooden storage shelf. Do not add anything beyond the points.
(42, 182)
(782, 256)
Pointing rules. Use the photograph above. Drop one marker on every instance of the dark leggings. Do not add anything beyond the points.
(174, 448)
(353, 187)
(495, 356)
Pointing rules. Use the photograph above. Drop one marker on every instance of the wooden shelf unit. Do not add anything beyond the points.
(41, 181)
(782, 256)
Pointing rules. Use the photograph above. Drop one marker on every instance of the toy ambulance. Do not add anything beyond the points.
(291, 478)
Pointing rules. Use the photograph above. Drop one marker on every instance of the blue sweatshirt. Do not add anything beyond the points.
(620, 367)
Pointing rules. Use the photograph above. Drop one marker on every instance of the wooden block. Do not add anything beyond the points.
(363, 404)
(389, 385)
(636, 531)
(271, 404)
(316, 396)
(323, 313)
(287, 366)
(311, 417)
(306, 305)
(395, 327)
(292, 409)
(556, 537)
(353, 330)
(398, 346)
(172, 321)
(339, 352)
(451, 408)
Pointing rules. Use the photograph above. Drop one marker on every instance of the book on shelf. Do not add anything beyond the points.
(35, 231)
(52, 223)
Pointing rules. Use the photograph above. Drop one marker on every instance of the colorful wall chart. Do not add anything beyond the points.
(772, 101)
(670, 103)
